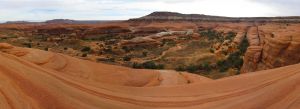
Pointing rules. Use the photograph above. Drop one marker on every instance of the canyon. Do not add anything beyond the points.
(162, 60)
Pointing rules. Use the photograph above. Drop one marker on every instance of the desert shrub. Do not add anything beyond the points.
(160, 66)
(84, 55)
(223, 69)
(46, 48)
(125, 48)
(238, 63)
(244, 45)
(128, 36)
(137, 65)
(126, 58)
(145, 54)
(192, 68)
(230, 35)
(28, 45)
(180, 68)
(111, 59)
(211, 34)
(235, 59)
(222, 65)
(149, 65)
(86, 49)
(108, 49)
(211, 50)
(206, 66)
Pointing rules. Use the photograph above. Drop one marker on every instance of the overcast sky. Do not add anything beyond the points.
(124, 9)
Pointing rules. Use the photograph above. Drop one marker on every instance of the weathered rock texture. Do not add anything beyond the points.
(34, 79)
(271, 47)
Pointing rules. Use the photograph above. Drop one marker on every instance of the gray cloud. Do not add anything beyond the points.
(124, 9)
(283, 7)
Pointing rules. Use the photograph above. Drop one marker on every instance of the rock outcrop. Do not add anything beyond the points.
(271, 50)
(34, 79)
(252, 59)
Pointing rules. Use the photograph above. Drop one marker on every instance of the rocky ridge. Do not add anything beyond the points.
(173, 16)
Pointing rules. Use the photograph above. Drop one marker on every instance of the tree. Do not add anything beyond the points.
(244, 45)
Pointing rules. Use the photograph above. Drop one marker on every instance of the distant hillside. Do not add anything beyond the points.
(64, 21)
(68, 21)
(173, 16)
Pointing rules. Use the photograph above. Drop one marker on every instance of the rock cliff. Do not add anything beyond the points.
(271, 48)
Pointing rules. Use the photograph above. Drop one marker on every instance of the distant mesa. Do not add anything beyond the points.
(18, 22)
(64, 21)
(67, 21)
(174, 16)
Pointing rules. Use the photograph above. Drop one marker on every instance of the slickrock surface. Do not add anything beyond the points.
(34, 79)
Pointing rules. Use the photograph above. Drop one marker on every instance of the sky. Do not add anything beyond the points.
(40, 10)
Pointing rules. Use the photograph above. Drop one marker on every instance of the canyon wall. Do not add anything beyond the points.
(271, 47)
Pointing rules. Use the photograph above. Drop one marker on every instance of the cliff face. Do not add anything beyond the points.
(271, 47)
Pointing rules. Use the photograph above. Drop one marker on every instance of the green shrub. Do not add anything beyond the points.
(235, 59)
(211, 34)
(126, 58)
(244, 45)
(28, 45)
(149, 65)
(125, 48)
(206, 66)
(145, 54)
(137, 65)
(160, 66)
(230, 35)
(223, 66)
(192, 68)
(86, 49)
(111, 59)
(180, 68)
(211, 50)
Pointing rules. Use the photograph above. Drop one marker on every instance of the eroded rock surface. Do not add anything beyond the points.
(271, 47)
(51, 80)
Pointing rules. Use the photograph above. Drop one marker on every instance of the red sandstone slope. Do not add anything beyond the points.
(34, 79)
